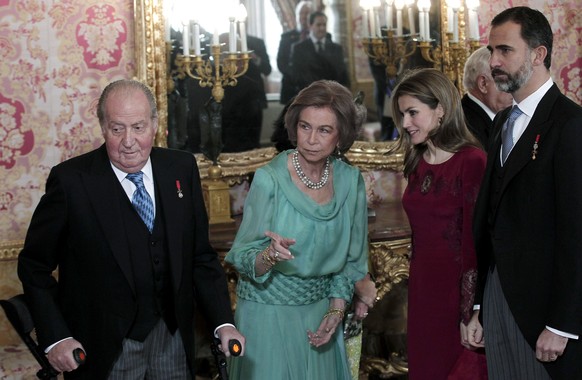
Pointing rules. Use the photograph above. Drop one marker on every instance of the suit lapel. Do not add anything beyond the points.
(100, 183)
(540, 124)
(165, 177)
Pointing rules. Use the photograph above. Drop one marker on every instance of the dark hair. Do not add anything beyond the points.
(127, 85)
(535, 28)
(326, 93)
(431, 87)
(315, 14)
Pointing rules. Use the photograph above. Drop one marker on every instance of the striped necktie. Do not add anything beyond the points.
(141, 200)
(507, 132)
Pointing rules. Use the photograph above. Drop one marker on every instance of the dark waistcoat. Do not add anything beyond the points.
(151, 271)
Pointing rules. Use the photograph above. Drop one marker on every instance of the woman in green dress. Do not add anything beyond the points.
(302, 245)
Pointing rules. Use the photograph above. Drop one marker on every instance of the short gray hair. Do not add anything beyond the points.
(125, 85)
(477, 64)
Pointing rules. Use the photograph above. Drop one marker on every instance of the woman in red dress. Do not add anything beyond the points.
(444, 165)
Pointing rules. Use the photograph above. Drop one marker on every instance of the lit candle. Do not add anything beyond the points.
(186, 39)
(232, 36)
(473, 5)
(455, 5)
(378, 25)
(372, 20)
(421, 24)
(426, 7)
(399, 4)
(411, 19)
(167, 29)
(388, 13)
(449, 19)
(365, 26)
(242, 16)
(455, 26)
(215, 40)
(196, 38)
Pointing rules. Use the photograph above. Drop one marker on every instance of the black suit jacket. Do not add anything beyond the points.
(77, 228)
(477, 119)
(288, 39)
(531, 229)
(307, 65)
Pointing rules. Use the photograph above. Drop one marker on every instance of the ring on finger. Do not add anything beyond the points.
(276, 255)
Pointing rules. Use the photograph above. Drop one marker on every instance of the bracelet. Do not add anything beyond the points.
(339, 312)
(268, 261)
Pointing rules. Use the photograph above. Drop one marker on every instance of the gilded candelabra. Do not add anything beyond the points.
(390, 50)
(220, 71)
(451, 60)
(214, 74)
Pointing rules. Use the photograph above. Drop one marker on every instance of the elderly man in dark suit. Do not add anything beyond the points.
(483, 99)
(126, 227)
(317, 57)
(527, 221)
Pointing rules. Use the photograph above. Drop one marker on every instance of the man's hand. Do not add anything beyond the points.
(228, 333)
(550, 346)
(61, 355)
(473, 334)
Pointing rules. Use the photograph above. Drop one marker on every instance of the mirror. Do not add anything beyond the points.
(345, 22)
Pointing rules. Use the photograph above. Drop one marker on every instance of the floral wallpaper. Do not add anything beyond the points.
(55, 58)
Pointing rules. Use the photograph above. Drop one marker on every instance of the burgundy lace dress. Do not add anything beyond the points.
(439, 202)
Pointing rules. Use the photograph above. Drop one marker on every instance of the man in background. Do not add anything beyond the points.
(317, 57)
(288, 39)
(483, 99)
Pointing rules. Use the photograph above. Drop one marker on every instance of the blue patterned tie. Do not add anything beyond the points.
(141, 200)
(507, 133)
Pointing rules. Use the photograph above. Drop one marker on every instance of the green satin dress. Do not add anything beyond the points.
(275, 310)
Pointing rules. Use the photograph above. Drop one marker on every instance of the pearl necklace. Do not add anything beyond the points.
(306, 181)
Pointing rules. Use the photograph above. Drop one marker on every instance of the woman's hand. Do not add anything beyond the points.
(330, 322)
(364, 297)
(279, 248)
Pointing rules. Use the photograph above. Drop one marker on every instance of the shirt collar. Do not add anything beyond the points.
(488, 110)
(315, 40)
(147, 171)
(529, 104)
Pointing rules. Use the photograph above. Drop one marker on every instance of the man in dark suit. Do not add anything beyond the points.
(527, 226)
(317, 57)
(129, 276)
(288, 39)
(483, 99)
